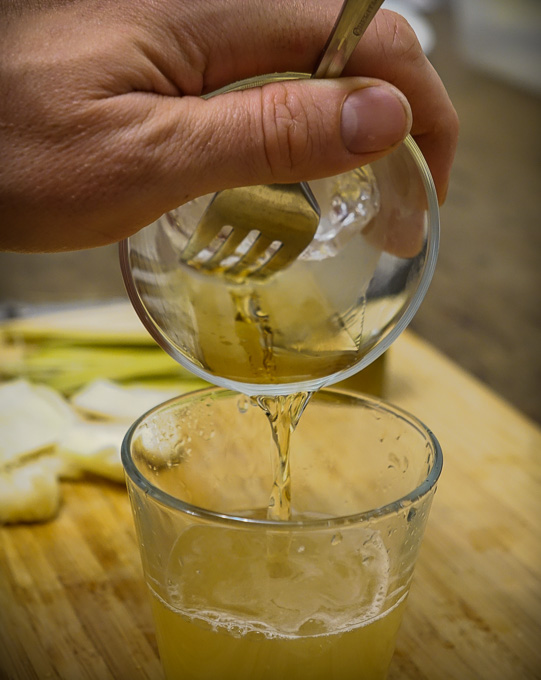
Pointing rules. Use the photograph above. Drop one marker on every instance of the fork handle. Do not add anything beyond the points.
(349, 28)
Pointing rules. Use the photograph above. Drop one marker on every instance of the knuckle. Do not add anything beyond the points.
(403, 43)
(288, 129)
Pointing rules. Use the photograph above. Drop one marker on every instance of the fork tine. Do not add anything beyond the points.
(208, 228)
(250, 257)
(281, 258)
(228, 247)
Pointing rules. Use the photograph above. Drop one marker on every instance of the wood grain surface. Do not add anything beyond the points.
(73, 603)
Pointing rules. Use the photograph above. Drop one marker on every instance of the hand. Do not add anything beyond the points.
(102, 128)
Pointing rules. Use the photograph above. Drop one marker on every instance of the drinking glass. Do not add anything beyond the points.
(238, 596)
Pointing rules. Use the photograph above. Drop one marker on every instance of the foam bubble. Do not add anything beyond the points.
(322, 626)
(281, 585)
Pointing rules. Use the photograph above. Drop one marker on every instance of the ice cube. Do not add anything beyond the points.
(348, 203)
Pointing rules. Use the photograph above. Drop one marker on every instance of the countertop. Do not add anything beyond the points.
(73, 603)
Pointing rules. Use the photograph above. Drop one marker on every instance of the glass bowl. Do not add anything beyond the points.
(329, 314)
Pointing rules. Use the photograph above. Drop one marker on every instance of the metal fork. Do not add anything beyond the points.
(257, 230)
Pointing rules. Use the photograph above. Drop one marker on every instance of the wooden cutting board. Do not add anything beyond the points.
(73, 604)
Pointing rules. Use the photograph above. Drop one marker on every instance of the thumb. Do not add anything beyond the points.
(282, 132)
(162, 151)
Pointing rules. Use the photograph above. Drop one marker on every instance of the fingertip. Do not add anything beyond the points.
(374, 119)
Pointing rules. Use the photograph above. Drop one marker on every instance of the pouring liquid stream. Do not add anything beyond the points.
(283, 411)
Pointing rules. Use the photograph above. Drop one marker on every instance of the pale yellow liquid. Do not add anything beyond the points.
(236, 610)
(264, 341)
(303, 323)
(283, 414)
(193, 650)
(242, 606)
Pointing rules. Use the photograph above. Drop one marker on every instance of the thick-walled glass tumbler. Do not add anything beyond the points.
(238, 596)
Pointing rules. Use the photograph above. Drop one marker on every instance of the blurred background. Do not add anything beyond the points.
(483, 309)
